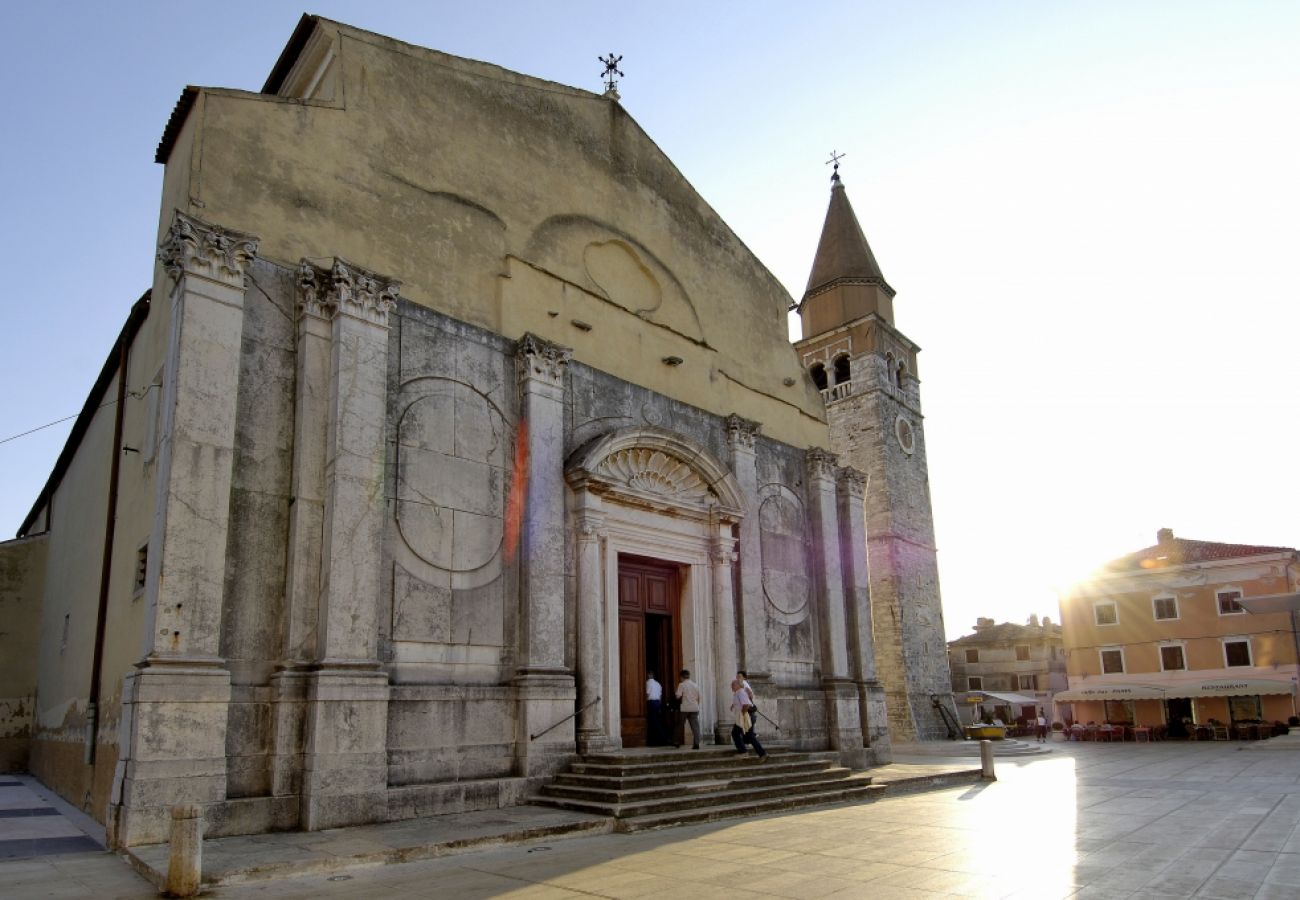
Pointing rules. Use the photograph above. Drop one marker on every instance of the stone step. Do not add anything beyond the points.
(695, 761)
(732, 768)
(620, 792)
(647, 755)
(850, 793)
(719, 795)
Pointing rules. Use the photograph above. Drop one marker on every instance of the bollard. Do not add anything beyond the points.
(186, 864)
(986, 760)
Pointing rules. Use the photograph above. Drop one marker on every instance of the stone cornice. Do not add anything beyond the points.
(346, 290)
(741, 433)
(541, 360)
(193, 247)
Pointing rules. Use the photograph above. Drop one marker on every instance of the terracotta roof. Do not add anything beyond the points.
(843, 251)
(1006, 633)
(1175, 551)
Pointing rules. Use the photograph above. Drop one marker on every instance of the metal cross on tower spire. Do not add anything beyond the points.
(611, 70)
(835, 160)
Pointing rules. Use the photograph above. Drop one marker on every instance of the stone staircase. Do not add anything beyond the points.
(657, 787)
(1010, 747)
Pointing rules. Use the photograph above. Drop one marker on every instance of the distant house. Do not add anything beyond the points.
(1166, 636)
(1008, 671)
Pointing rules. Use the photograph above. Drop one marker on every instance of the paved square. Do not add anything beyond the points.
(1103, 820)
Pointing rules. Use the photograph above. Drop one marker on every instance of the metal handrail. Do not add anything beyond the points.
(572, 715)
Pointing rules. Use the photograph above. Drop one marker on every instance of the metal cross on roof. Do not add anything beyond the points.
(835, 160)
(611, 69)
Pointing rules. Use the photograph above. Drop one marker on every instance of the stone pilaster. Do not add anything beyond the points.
(592, 649)
(844, 724)
(742, 434)
(872, 712)
(546, 691)
(182, 678)
(722, 554)
(345, 766)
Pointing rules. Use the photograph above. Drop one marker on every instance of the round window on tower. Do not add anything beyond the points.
(906, 437)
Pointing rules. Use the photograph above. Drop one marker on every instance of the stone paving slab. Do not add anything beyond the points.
(234, 860)
(35, 822)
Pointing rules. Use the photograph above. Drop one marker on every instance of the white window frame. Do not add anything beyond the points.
(970, 682)
(1182, 649)
(1098, 605)
(1023, 687)
(1218, 606)
(1178, 613)
(1101, 660)
(1238, 639)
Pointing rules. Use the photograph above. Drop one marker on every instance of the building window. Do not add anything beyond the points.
(1112, 661)
(974, 683)
(818, 373)
(972, 655)
(1119, 712)
(841, 370)
(1025, 683)
(1171, 658)
(1236, 651)
(1165, 607)
(1230, 602)
(141, 568)
(1022, 652)
(1105, 613)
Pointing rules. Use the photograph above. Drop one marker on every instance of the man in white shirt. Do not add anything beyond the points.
(688, 696)
(654, 696)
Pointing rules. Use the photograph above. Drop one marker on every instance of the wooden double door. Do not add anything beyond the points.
(649, 638)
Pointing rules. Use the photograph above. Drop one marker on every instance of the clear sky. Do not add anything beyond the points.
(1090, 212)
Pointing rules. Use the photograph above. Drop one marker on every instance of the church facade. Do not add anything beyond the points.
(434, 434)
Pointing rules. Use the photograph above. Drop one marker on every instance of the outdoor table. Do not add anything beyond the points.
(1141, 734)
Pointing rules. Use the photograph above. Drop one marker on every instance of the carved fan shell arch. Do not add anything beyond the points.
(655, 472)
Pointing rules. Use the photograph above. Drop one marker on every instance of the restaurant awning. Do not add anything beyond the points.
(1271, 603)
(1230, 687)
(1128, 691)
(1005, 697)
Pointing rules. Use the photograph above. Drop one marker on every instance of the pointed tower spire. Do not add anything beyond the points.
(846, 282)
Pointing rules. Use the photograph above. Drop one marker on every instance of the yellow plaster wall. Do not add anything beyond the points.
(448, 174)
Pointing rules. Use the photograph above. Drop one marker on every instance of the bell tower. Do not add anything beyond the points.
(866, 370)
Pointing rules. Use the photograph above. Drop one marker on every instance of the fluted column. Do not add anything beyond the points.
(182, 677)
(721, 555)
(872, 712)
(742, 434)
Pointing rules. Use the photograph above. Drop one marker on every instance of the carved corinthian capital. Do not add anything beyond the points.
(314, 295)
(193, 247)
(741, 433)
(541, 360)
(851, 481)
(821, 463)
(346, 290)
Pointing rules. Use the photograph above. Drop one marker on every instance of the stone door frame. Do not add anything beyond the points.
(653, 493)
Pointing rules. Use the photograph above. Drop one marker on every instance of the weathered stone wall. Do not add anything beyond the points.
(878, 430)
(22, 584)
(252, 625)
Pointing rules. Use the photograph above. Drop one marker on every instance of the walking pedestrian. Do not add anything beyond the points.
(1042, 728)
(654, 697)
(742, 732)
(688, 699)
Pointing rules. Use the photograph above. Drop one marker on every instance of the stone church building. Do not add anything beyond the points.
(452, 410)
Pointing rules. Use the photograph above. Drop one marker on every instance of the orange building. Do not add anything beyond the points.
(1163, 636)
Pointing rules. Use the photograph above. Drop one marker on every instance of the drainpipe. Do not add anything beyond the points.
(106, 569)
